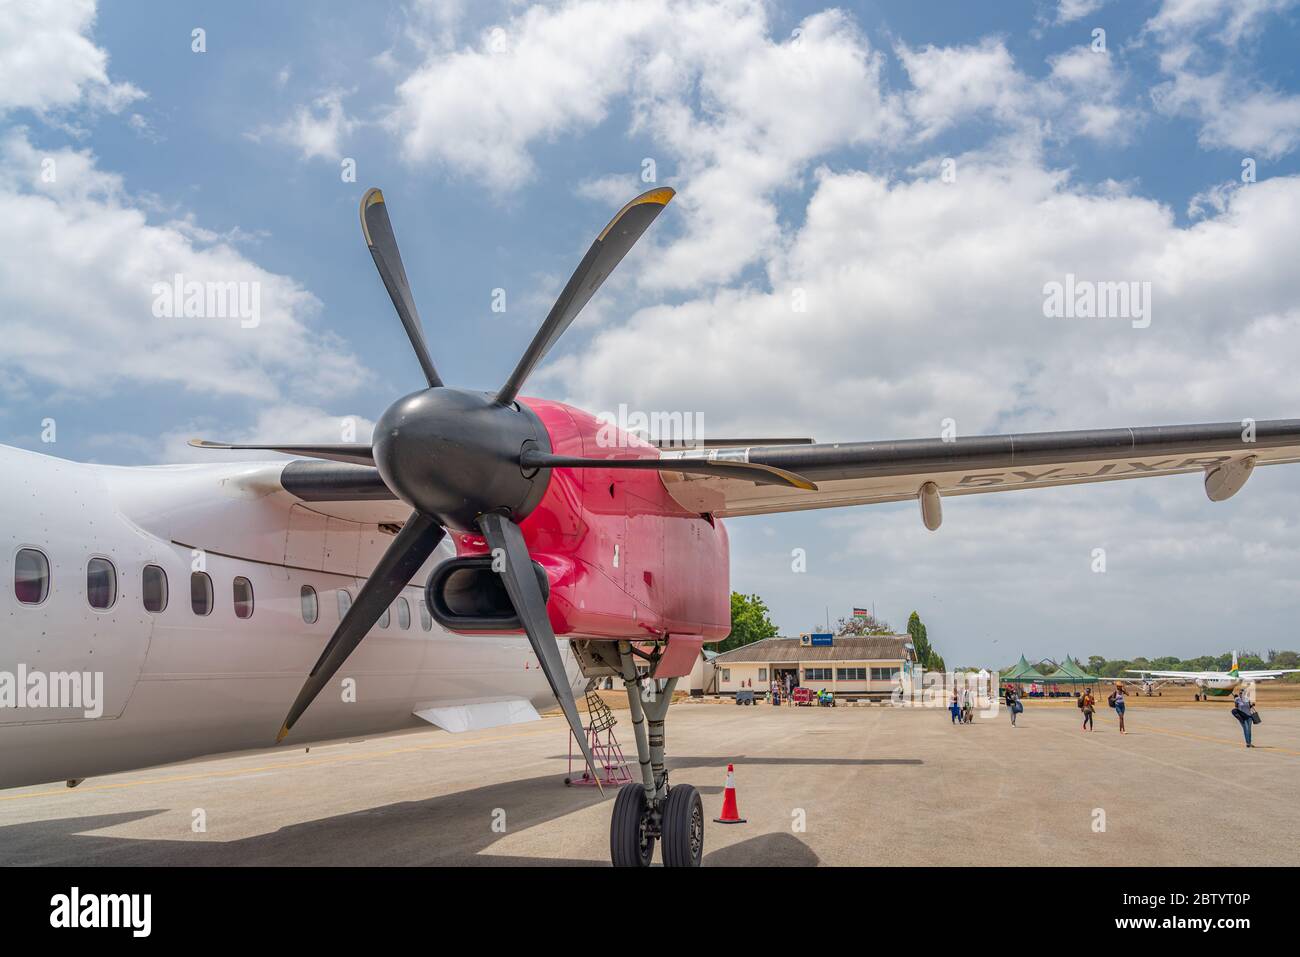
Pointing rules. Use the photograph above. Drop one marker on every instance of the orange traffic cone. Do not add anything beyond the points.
(730, 813)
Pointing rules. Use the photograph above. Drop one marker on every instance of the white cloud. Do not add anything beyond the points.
(1176, 20)
(476, 110)
(78, 264)
(317, 131)
(1067, 11)
(1080, 96)
(1213, 83)
(49, 63)
(1233, 115)
(738, 113)
(960, 83)
(925, 302)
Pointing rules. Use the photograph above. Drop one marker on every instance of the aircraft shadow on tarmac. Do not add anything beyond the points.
(449, 829)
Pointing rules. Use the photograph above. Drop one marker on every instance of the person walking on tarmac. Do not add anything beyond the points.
(1087, 705)
(1117, 702)
(1244, 711)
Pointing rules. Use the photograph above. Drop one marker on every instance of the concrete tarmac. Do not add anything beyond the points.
(842, 786)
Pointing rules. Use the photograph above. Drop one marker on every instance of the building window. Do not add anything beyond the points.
(310, 606)
(762, 674)
(243, 598)
(884, 674)
(426, 620)
(201, 593)
(153, 581)
(345, 602)
(403, 614)
(726, 674)
(101, 583)
(817, 674)
(31, 576)
(850, 674)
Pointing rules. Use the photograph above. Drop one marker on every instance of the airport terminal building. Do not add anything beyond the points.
(850, 665)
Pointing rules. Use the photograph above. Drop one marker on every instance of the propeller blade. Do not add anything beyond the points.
(407, 552)
(358, 453)
(605, 253)
(382, 243)
(526, 595)
(748, 471)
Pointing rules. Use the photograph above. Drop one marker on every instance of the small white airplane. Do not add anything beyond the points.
(1219, 684)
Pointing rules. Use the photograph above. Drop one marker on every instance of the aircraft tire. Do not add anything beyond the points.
(629, 844)
(683, 827)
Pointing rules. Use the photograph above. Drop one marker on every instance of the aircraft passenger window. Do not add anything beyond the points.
(154, 582)
(403, 614)
(345, 602)
(385, 618)
(243, 598)
(310, 607)
(101, 583)
(426, 620)
(200, 593)
(31, 576)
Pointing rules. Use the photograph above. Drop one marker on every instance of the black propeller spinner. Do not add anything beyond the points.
(476, 461)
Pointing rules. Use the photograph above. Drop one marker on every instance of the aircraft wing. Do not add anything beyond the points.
(1213, 675)
(862, 473)
(1265, 675)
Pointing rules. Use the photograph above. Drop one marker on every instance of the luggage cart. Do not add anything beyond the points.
(605, 751)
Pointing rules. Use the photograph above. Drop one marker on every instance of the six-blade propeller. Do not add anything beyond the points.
(455, 457)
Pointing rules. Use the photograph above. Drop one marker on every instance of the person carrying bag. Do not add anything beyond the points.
(1246, 713)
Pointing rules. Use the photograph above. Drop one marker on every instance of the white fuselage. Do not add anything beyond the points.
(176, 685)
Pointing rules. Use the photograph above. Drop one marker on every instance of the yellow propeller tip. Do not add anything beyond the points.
(284, 732)
(663, 196)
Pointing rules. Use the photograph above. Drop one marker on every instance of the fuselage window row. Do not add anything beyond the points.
(32, 587)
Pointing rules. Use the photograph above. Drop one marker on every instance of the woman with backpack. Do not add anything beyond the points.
(1245, 713)
(1117, 702)
(1087, 705)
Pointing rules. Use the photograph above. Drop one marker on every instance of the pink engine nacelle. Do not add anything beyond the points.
(621, 559)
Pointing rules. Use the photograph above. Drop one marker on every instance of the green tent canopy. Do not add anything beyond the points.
(1071, 672)
(1022, 672)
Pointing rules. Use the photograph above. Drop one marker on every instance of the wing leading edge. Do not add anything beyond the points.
(863, 473)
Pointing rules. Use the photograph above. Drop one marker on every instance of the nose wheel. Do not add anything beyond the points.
(650, 811)
(678, 827)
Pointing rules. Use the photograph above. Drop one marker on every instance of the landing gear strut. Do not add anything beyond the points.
(650, 811)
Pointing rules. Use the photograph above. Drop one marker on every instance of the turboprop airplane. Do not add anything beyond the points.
(406, 568)
(1219, 684)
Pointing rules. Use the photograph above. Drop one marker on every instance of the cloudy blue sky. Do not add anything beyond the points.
(807, 144)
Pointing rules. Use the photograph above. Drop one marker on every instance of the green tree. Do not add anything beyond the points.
(920, 641)
(750, 621)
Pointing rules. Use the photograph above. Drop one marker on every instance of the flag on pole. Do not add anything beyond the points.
(861, 613)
